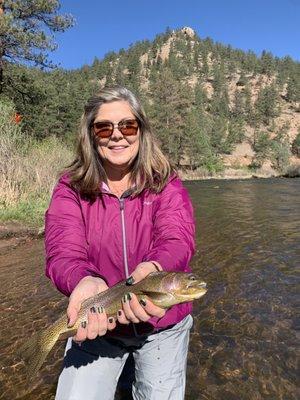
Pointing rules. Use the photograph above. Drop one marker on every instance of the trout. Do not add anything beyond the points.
(164, 289)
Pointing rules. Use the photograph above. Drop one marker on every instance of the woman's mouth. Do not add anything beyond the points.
(117, 148)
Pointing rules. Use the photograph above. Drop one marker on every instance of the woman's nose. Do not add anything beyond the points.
(116, 134)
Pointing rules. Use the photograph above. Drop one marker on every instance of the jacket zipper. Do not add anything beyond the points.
(122, 207)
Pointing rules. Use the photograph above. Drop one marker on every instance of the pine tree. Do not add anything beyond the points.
(267, 63)
(198, 147)
(201, 99)
(280, 155)
(293, 87)
(262, 147)
(267, 106)
(236, 132)
(171, 100)
(220, 104)
(218, 134)
(239, 104)
(24, 27)
(296, 145)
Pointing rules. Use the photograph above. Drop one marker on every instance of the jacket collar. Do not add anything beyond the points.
(105, 189)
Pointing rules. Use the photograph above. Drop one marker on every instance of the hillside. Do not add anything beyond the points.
(216, 110)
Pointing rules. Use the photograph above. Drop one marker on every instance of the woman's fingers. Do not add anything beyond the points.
(122, 318)
(151, 309)
(127, 309)
(81, 334)
(102, 321)
(97, 324)
(87, 287)
(133, 310)
(72, 311)
(111, 323)
(93, 324)
(141, 271)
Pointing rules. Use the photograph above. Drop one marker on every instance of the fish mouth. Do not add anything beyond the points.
(196, 284)
(194, 290)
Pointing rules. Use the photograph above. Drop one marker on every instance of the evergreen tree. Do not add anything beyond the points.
(296, 145)
(293, 87)
(175, 64)
(249, 62)
(249, 113)
(267, 106)
(219, 79)
(218, 136)
(198, 147)
(219, 105)
(171, 100)
(280, 155)
(236, 132)
(262, 147)
(239, 104)
(24, 27)
(267, 63)
(200, 95)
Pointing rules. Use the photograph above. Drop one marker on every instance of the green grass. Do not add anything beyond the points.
(29, 212)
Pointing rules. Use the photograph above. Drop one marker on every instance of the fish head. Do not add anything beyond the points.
(185, 286)
(168, 288)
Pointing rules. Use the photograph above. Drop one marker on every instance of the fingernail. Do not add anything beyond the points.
(143, 302)
(124, 298)
(119, 313)
(93, 310)
(110, 320)
(83, 324)
(100, 310)
(129, 297)
(130, 281)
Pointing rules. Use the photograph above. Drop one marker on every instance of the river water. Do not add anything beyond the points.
(245, 339)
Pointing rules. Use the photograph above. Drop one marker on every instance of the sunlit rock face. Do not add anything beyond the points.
(188, 31)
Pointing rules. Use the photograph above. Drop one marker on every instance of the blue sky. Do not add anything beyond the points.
(103, 26)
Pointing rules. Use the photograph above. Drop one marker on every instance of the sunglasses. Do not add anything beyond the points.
(104, 129)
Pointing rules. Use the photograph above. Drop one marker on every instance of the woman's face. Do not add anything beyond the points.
(117, 152)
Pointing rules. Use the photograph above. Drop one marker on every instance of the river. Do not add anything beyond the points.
(245, 340)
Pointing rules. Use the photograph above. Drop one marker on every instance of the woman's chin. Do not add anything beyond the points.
(119, 164)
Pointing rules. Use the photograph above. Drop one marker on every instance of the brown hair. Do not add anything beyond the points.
(150, 170)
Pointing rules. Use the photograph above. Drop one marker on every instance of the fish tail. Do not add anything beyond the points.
(35, 350)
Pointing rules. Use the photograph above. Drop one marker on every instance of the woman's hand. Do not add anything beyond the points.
(97, 320)
(133, 310)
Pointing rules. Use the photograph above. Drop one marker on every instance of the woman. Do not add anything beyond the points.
(120, 212)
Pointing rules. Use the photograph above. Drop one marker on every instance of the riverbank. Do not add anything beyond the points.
(293, 171)
(14, 233)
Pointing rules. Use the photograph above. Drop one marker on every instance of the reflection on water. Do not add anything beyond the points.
(244, 342)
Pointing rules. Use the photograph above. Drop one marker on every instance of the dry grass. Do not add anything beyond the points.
(28, 169)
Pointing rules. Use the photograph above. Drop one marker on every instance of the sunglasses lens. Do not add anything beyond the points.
(103, 129)
(129, 127)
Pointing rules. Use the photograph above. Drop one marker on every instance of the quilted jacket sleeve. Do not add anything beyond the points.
(65, 239)
(174, 229)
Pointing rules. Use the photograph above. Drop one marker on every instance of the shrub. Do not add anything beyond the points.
(296, 145)
(28, 169)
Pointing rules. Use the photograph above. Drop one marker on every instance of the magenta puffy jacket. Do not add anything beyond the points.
(110, 236)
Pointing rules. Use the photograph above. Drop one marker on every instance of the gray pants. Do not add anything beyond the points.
(91, 371)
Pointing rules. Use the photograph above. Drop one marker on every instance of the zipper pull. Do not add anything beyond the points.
(121, 203)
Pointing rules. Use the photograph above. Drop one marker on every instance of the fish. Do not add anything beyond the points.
(164, 289)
